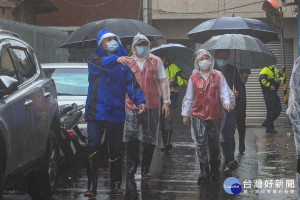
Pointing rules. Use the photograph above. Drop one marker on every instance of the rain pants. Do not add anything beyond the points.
(154, 84)
(294, 112)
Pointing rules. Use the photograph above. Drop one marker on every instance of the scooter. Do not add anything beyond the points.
(73, 143)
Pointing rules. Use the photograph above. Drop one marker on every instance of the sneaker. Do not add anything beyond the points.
(229, 167)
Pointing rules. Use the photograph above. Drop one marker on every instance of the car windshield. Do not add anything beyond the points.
(69, 81)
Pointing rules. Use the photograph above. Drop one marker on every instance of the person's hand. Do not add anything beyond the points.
(171, 79)
(277, 80)
(185, 121)
(236, 93)
(272, 88)
(227, 107)
(142, 108)
(165, 110)
(123, 60)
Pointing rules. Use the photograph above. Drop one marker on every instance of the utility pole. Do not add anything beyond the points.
(145, 11)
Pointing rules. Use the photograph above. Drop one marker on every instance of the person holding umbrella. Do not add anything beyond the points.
(109, 80)
(176, 78)
(241, 103)
(233, 80)
(207, 92)
(270, 79)
(152, 77)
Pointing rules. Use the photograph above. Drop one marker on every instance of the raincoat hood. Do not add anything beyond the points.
(102, 53)
(137, 38)
(198, 54)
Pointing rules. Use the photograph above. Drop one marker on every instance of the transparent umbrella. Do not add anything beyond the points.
(246, 52)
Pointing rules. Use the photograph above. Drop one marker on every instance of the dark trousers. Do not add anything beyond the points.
(114, 134)
(228, 143)
(241, 117)
(273, 105)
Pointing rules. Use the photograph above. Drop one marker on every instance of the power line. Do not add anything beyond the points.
(199, 13)
(85, 5)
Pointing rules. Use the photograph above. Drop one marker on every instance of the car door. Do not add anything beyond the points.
(38, 95)
(17, 115)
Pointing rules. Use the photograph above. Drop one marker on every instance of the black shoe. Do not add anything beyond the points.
(116, 175)
(92, 169)
(116, 189)
(147, 159)
(242, 147)
(145, 173)
(132, 158)
(204, 175)
(271, 131)
(214, 170)
(230, 167)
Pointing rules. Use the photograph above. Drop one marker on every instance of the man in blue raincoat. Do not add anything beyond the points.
(109, 80)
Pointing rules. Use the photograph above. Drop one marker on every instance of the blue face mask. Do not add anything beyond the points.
(112, 46)
(142, 50)
(221, 63)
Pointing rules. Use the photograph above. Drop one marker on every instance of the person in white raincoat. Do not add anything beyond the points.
(151, 75)
(206, 93)
(294, 112)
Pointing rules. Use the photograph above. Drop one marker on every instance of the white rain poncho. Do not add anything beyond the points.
(294, 111)
(150, 73)
(203, 130)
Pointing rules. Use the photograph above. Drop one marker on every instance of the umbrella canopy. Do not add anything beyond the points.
(226, 25)
(246, 52)
(126, 29)
(177, 54)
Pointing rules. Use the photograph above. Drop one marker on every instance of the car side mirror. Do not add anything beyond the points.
(7, 85)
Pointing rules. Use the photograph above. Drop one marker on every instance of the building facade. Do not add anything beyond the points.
(176, 19)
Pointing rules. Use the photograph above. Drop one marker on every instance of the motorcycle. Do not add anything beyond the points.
(73, 143)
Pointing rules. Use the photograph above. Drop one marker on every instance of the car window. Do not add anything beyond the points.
(23, 64)
(7, 67)
(69, 81)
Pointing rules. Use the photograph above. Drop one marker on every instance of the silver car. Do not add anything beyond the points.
(71, 81)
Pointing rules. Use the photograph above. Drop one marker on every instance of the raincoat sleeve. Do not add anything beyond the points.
(224, 91)
(134, 90)
(188, 100)
(263, 78)
(163, 83)
(103, 61)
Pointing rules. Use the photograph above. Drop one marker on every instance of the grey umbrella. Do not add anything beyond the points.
(246, 52)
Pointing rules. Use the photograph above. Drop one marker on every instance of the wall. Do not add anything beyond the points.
(193, 9)
(80, 12)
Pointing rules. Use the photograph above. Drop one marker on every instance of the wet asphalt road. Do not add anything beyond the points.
(174, 174)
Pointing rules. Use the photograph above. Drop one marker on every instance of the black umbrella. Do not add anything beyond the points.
(227, 25)
(178, 54)
(126, 29)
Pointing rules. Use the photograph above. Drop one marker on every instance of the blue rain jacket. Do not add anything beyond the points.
(109, 81)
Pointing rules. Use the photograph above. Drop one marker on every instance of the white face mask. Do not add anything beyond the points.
(205, 64)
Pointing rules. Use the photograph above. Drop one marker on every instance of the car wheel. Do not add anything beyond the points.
(1, 182)
(42, 183)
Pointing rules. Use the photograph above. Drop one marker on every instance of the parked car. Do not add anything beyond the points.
(71, 81)
(29, 120)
